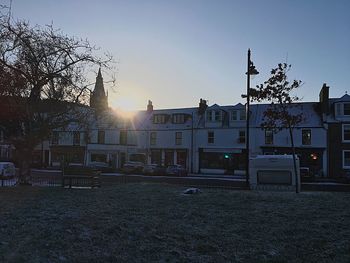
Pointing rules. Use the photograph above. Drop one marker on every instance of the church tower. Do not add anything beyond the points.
(98, 98)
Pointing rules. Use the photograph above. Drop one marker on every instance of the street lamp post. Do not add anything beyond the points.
(251, 71)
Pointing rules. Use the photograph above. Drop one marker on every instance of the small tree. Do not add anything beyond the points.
(280, 114)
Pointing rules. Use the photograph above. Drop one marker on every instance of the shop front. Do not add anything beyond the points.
(221, 160)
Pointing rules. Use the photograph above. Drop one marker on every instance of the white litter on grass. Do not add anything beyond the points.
(192, 191)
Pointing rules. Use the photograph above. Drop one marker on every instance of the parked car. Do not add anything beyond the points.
(7, 169)
(78, 169)
(101, 166)
(154, 169)
(133, 167)
(177, 170)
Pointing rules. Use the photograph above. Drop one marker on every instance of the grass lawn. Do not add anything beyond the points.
(154, 222)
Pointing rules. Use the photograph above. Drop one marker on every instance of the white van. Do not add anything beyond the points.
(274, 172)
(7, 169)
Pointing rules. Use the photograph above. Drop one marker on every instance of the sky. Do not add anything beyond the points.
(174, 52)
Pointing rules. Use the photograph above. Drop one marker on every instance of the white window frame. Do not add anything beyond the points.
(178, 118)
(302, 131)
(178, 138)
(240, 137)
(343, 127)
(217, 115)
(272, 135)
(153, 138)
(345, 166)
(344, 109)
(244, 114)
(234, 113)
(159, 119)
(338, 109)
(209, 115)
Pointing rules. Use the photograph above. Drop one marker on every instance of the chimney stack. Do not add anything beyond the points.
(149, 106)
(202, 106)
(324, 98)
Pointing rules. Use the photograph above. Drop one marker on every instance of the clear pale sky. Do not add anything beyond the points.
(175, 52)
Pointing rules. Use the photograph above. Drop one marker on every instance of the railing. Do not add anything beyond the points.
(8, 181)
(46, 177)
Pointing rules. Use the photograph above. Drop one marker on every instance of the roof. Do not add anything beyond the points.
(311, 117)
(344, 98)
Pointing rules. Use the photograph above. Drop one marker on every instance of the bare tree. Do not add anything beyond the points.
(42, 81)
(280, 114)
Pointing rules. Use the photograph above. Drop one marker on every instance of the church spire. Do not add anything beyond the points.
(98, 99)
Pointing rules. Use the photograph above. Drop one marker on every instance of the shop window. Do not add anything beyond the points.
(306, 137)
(211, 137)
(156, 157)
(168, 158)
(181, 158)
(99, 158)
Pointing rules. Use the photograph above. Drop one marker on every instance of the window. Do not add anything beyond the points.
(268, 137)
(101, 137)
(98, 157)
(76, 138)
(178, 118)
(209, 113)
(178, 138)
(347, 109)
(86, 137)
(233, 115)
(346, 159)
(346, 132)
(214, 115)
(159, 118)
(217, 115)
(123, 138)
(153, 138)
(241, 136)
(337, 109)
(211, 137)
(55, 137)
(306, 137)
(242, 115)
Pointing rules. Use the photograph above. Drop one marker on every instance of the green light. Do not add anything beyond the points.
(226, 156)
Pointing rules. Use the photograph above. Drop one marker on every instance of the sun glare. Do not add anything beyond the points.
(125, 106)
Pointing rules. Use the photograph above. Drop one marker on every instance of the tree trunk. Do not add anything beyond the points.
(24, 158)
(294, 160)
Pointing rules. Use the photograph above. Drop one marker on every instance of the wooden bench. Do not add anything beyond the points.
(80, 176)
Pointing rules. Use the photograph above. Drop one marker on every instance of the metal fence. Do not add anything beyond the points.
(46, 177)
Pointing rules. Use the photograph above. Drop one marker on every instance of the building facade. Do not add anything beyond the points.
(204, 139)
